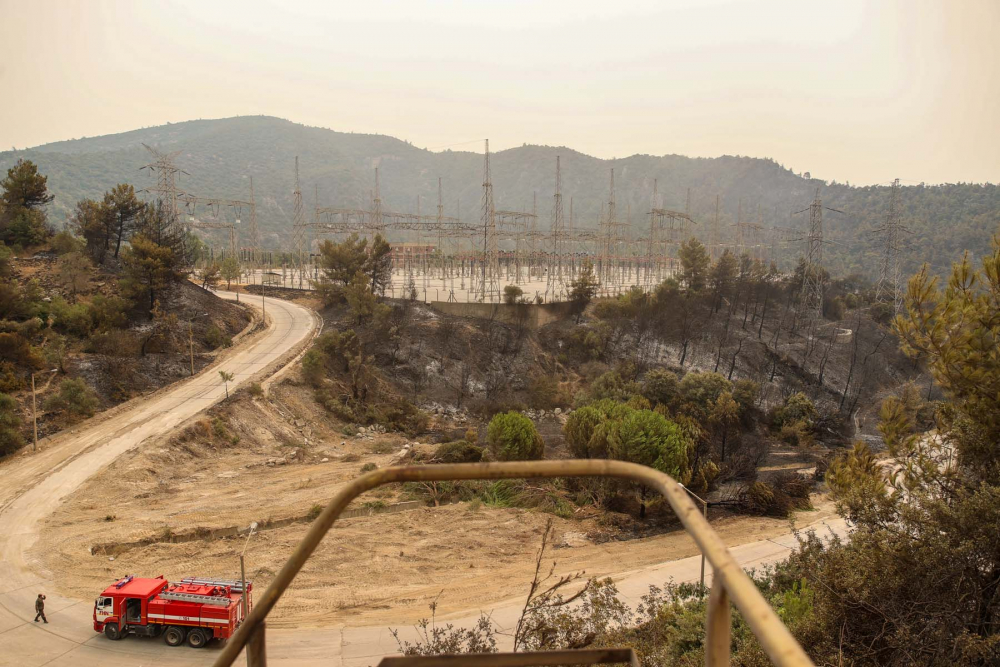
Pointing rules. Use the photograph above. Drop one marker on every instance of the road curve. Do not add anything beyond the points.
(31, 487)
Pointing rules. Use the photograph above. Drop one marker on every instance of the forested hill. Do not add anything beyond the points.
(220, 156)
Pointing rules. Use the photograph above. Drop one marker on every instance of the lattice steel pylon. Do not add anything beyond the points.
(298, 224)
(376, 213)
(557, 230)
(253, 232)
(166, 189)
(489, 290)
(889, 235)
(811, 301)
(713, 233)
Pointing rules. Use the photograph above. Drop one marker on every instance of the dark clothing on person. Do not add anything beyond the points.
(40, 609)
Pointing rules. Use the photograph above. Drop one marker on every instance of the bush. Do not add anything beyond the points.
(544, 393)
(612, 385)
(256, 390)
(700, 391)
(314, 367)
(115, 343)
(797, 408)
(9, 378)
(10, 426)
(881, 313)
(216, 338)
(18, 351)
(74, 398)
(512, 437)
(458, 452)
(660, 387)
(583, 424)
(777, 497)
(796, 434)
(368, 467)
(108, 312)
(70, 319)
(64, 243)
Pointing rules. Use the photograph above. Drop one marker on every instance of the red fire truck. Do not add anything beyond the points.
(196, 610)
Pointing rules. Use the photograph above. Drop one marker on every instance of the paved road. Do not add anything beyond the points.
(31, 487)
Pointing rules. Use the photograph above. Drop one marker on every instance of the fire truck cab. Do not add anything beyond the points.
(195, 610)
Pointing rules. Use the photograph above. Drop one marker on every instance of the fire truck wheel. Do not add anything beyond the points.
(174, 636)
(111, 631)
(197, 638)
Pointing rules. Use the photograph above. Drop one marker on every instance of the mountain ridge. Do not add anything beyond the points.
(219, 157)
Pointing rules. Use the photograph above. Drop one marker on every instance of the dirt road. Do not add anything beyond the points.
(32, 486)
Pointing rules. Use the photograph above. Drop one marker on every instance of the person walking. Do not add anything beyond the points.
(40, 608)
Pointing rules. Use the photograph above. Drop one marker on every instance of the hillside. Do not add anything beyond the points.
(219, 156)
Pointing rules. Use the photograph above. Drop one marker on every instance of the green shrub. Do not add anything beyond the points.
(500, 493)
(699, 392)
(660, 387)
(64, 242)
(314, 367)
(513, 437)
(797, 408)
(74, 398)
(544, 392)
(796, 434)
(882, 313)
(612, 385)
(256, 390)
(108, 312)
(368, 467)
(70, 319)
(314, 512)
(583, 424)
(17, 350)
(216, 338)
(10, 380)
(458, 452)
(10, 426)
(746, 393)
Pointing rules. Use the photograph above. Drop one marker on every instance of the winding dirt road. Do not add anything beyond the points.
(32, 486)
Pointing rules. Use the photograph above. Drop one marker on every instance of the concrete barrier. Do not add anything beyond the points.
(536, 315)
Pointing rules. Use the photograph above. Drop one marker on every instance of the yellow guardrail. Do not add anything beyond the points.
(729, 581)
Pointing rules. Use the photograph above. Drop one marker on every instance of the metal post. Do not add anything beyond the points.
(704, 505)
(705, 514)
(34, 413)
(718, 622)
(191, 343)
(256, 649)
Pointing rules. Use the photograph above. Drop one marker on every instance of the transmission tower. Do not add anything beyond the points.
(555, 273)
(376, 214)
(889, 235)
(713, 233)
(490, 287)
(298, 224)
(811, 301)
(166, 190)
(253, 232)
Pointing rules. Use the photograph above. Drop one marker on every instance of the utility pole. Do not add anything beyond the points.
(34, 410)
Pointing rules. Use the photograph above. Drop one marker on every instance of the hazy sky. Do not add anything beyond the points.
(857, 91)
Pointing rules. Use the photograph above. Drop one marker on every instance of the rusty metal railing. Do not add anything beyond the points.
(729, 581)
